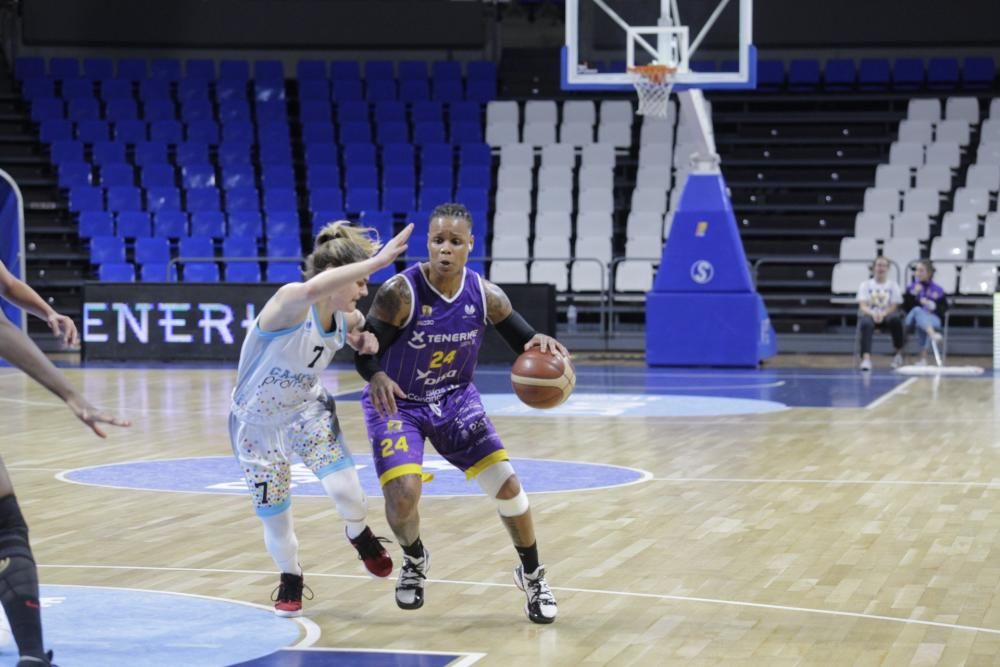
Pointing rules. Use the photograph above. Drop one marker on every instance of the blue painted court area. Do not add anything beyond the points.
(329, 657)
(749, 391)
(221, 474)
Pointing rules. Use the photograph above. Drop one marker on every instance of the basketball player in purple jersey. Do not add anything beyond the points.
(430, 321)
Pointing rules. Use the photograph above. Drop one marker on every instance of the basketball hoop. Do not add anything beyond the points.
(653, 84)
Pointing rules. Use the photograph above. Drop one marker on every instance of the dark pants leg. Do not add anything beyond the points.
(894, 323)
(867, 325)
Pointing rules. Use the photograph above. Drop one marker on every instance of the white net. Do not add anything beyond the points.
(653, 84)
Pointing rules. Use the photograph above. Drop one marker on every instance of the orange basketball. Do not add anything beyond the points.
(542, 380)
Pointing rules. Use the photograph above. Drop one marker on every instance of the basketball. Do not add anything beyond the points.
(542, 380)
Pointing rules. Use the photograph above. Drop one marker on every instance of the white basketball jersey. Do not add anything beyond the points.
(278, 374)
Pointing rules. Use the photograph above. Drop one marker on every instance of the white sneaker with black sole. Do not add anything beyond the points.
(541, 604)
(410, 584)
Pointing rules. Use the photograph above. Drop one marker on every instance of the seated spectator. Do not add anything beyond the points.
(925, 303)
(878, 301)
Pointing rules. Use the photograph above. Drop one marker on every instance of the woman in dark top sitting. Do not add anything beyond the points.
(925, 303)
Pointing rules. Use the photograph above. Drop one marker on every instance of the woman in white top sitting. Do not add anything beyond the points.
(879, 299)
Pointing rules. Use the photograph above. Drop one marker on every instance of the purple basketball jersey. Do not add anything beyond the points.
(438, 345)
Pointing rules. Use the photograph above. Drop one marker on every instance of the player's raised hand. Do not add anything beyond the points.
(546, 344)
(394, 248)
(65, 328)
(383, 390)
(92, 416)
(364, 342)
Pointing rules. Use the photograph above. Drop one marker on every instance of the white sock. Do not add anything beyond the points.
(344, 488)
(281, 543)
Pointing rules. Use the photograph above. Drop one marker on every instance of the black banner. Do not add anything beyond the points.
(191, 322)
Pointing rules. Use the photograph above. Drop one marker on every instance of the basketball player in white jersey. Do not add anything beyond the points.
(280, 407)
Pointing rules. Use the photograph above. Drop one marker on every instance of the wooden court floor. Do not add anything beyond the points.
(811, 536)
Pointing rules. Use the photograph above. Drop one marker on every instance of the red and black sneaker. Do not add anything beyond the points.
(287, 596)
(372, 553)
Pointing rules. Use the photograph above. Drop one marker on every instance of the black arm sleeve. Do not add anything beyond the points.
(515, 331)
(367, 364)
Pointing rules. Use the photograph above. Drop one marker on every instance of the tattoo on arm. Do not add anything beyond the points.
(393, 301)
(498, 306)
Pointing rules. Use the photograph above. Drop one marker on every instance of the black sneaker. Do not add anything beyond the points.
(410, 585)
(541, 604)
(37, 662)
(377, 561)
(287, 597)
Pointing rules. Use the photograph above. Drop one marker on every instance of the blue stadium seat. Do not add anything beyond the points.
(271, 111)
(196, 246)
(153, 90)
(281, 199)
(361, 176)
(117, 174)
(803, 74)
(157, 175)
(908, 74)
(90, 131)
(353, 133)
(380, 89)
(234, 70)
(121, 109)
(235, 153)
(362, 199)
(428, 133)
(317, 132)
(431, 197)
(840, 74)
(873, 74)
(116, 272)
(412, 69)
(48, 108)
(73, 174)
(64, 68)
(130, 131)
(96, 223)
(134, 224)
(286, 245)
(247, 223)
(239, 246)
(466, 133)
(400, 155)
(978, 72)
(29, 67)
(345, 70)
(380, 70)
(208, 223)
(193, 152)
(108, 152)
(473, 198)
(55, 130)
(322, 218)
(124, 198)
(197, 110)
(445, 70)
(98, 68)
(154, 249)
(200, 69)
(475, 176)
(201, 272)
(203, 199)
(392, 133)
(83, 109)
(942, 73)
(352, 111)
(163, 199)
(157, 273)
(770, 74)
(282, 223)
(475, 154)
(148, 153)
(283, 272)
(414, 90)
(269, 70)
(438, 177)
(107, 249)
(238, 131)
(347, 90)
(398, 199)
(389, 111)
(193, 90)
(323, 176)
(169, 131)
(324, 199)
(433, 155)
(198, 176)
(33, 89)
(132, 69)
(382, 221)
(278, 176)
(238, 176)
(77, 89)
(308, 70)
(66, 151)
(166, 69)
(313, 111)
(359, 154)
(481, 70)
(424, 112)
(159, 109)
(448, 91)
(113, 89)
(203, 130)
(242, 272)
(86, 198)
(242, 198)
(170, 224)
(322, 154)
(481, 91)
(273, 132)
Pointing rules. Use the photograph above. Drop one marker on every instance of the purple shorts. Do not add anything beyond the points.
(457, 426)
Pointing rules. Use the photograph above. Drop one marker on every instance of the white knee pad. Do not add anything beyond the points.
(492, 480)
(344, 488)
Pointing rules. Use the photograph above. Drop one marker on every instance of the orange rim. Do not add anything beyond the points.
(655, 73)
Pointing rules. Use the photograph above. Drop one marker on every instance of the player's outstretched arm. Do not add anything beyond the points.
(513, 328)
(389, 311)
(24, 297)
(289, 305)
(19, 350)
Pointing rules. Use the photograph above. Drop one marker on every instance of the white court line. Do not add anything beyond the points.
(841, 482)
(312, 631)
(588, 591)
(889, 394)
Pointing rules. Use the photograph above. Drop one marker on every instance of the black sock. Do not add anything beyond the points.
(415, 550)
(529, 557)
(19, 581)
